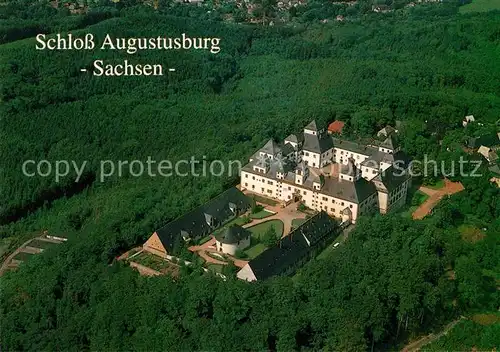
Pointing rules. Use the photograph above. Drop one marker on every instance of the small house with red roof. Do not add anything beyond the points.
(336, 127)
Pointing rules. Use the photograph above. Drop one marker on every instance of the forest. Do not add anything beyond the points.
(393, 280)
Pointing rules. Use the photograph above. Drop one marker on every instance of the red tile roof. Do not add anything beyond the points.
(336, 127)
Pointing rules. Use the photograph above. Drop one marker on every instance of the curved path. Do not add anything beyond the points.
(435, 195)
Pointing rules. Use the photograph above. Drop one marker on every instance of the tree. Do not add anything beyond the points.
(270, 237)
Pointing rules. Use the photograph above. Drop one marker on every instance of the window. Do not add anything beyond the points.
(324, 198)
(253, 177)
(269, 191)
(307, 154)
(342, 203)
(332, 210)
(246, 184)
(246, 175)
(262, 190)
(342, 152)
(304, 192)
(333, 201)
(350, 206)
(270, 182)
(289, 188)
(253, 186)
(314, 164)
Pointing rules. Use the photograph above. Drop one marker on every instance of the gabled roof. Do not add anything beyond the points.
(488, 140)
(233, 234)
(317, 143)
(386, 131)
(281, 258)
(351, 191)
(390, 142)
(271, 147)
(353, 146)
(336, 126)
(287, 149)
(391, 178)
(312, 126)
(292, 138)
(195, 223)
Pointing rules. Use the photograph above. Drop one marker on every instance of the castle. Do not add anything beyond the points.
(343, 178)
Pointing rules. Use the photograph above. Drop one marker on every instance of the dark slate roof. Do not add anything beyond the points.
(495, 169)
(390, 142)
(392, 178)
(194, 223)
(287, 149)
(488, 140)
(351, 191)
(312, 126)
(233, 234)
(292, 138)
(271, 147)
(353, 146)
(386, 131)
(317, 143)
(276, 260)
(371, 162)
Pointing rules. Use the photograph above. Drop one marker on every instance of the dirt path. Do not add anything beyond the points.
(435, 196)
(417, 345)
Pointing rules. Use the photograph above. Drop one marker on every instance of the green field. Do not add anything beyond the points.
(260, 229)
(481, 6)
(471, 233)
(261, 214)
(255, 250)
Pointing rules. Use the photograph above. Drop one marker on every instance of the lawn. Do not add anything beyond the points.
(480, 6)
(41, 244)
(471, 233)
(23, 256)
(261, 214)
(255, 250)
(436, 185)
(418, 199)
(264, 200)
(260, 229)
(236, 221)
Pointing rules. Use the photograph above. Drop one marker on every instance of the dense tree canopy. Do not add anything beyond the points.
(427, 67)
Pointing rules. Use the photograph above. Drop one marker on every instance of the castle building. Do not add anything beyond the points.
(325, 173)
